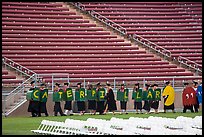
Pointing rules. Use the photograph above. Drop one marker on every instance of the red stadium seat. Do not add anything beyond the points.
(52, 39)
(8, 77)
(4, 72)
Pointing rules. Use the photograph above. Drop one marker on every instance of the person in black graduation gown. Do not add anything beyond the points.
(68, 104)
(146, 105)
(91, 103)
(33, 105)
(42, 105)
(123, 104)
(100, 104)
(57, 106)
(110, 100)
(80, 104)
(137, 104)
(155, 103)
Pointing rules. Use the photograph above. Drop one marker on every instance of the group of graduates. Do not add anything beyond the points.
(101, 99)
(37, 100)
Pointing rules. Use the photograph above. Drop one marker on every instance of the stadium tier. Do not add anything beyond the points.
(49, 38)
(10, 79)
(176, 26)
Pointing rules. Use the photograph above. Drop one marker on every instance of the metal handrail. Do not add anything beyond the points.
(152, 45)
(186, 61)
(108, 22)
(18, 66)
(19, 87)
(78, 5)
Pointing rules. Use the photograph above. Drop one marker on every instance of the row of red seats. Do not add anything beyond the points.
(67, 43)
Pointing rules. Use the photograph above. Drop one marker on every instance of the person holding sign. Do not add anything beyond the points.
(145, 97)
(122, 96)
(100, 95)
(111, 102)
(80, 98)
(137, 96)
(43, 100)
(169, 97)
(91, 97)
(32, 104)
(68, 97)
(156, 98)
(57, 98)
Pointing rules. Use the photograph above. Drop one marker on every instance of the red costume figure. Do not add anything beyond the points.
(188, 98)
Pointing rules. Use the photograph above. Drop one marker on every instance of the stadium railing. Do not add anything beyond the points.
(190, 64)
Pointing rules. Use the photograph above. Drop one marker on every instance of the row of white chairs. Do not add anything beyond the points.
(118, 126)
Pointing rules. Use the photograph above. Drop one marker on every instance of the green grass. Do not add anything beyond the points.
(23, 125)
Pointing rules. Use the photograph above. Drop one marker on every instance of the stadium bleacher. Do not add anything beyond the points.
(10, 79)
(49, 38)
(168, 24)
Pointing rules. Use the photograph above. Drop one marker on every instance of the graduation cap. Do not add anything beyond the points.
(122, 85)
(195, 82)
(57, 84)
(79, 83)
(147, 85)
(32, 82)
(43, 84)
(66, 83)
(151, 85)
(137, 84)
(98, 84)
(167, 83)
(155, 85)
(108, 84)
(185, 83)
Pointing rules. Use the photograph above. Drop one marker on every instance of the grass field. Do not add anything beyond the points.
(23, 125)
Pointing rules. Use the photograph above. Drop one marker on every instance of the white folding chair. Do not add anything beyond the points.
(44, 128)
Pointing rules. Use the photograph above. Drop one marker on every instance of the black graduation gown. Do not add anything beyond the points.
(100, 105)
(68, 105)
(81, 105)
(33, 105)
(92, 104)
(111, 102)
